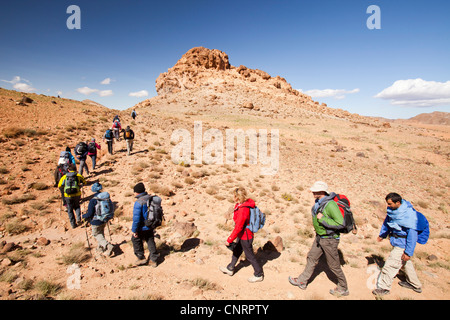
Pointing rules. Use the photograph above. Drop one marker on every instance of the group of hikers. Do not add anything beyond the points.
(331, 216)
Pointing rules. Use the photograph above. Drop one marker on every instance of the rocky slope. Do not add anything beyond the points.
(360, 157)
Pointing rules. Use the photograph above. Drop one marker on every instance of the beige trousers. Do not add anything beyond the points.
(392, 266)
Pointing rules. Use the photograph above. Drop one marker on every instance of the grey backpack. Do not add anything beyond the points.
(155, 214)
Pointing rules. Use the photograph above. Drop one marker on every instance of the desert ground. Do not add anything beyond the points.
(42, 257)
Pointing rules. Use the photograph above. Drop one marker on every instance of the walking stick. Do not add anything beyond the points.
(109, 231)
(87, 239)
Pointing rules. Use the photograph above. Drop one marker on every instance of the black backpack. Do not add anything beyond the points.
(155, 214)
(81, 148)
(92, 148)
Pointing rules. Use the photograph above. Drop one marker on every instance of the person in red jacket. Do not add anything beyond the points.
(243, 235)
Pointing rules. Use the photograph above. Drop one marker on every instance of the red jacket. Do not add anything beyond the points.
(241, 219)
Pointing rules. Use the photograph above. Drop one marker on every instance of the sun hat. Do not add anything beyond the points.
(319, 186)
(96, 187)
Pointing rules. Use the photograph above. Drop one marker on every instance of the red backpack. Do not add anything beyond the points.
(344, 205)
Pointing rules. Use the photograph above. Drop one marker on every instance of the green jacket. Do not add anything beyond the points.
(332, 219)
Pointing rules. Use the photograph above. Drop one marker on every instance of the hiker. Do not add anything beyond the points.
(116, 127)
(72, 184)
(108, 136)
(94, 217)
(325, 216)
(402, 224)
(116, 118)
(92, 151)
(244, 236)
(81, 153)
(65, 158)
(133, 114)
(140, 232)
(128, 135)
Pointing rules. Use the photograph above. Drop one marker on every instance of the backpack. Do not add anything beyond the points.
(92, 148)
(108, 134)
(64, 158)
(81, 148)
(71, 185)
(423, 235)
(127, 134)
(104, 209)
(257, 219)
(155, 214)
(344, 206)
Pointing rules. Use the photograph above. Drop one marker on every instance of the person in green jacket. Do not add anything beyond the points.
(327, 218)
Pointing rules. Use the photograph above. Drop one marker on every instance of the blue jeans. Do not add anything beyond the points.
(94, 158)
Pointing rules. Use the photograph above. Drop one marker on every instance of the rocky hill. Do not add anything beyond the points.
(439, 118)
(360, 157)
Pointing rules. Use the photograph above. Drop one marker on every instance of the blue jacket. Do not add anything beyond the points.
(406, 238)
(140, 213)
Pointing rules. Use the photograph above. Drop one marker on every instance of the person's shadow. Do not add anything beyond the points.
(263, 255)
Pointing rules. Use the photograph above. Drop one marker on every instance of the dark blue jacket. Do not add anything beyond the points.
(89, 215)
(140, 213)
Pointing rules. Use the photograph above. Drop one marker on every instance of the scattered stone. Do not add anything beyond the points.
(42, 241)
(432, 257)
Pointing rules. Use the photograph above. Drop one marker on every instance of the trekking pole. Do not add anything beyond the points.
(87, 239)
(109, 231)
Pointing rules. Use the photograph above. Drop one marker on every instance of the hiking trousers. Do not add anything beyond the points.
(245, 246)
(94, 159)
(392, 266)
(129, 145)
(83, 165)
(329, 247)
(73, 203)
(98, 232)
(138, 244)
(110, 146)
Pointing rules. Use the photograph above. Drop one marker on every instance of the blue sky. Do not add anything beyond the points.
(322, 47)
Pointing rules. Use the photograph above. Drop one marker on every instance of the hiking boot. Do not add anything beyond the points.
(226, 271)
(380, 292)
(255, 279)
(153, 264)
(339, 293)
(295, 282)
(140, 262)
(109, 250)
(407, 285)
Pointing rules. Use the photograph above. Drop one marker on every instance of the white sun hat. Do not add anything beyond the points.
(319, 186)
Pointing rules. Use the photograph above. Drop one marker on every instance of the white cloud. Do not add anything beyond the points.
(417, 93)
(105, 93)
(20, 86)
(139, 94)
(334, 93)
(106, 81)
(24, 87)
(86, 90)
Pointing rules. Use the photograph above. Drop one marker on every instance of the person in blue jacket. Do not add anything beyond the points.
(98, 226)
(401, 225)
(140, 232)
